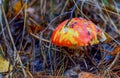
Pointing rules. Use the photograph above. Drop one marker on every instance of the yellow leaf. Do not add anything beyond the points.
(18, 6)
(4, 65)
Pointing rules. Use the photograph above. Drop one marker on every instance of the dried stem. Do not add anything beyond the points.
(11, 38)
(114, 61)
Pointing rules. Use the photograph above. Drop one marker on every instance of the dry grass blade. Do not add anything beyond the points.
(9, 32)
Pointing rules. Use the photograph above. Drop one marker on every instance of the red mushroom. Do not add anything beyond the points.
(78, 32)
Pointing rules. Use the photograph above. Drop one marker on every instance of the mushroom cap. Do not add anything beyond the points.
(78, 32)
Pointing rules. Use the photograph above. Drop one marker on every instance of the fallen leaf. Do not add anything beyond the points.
(88, 75)
(115, 51)
(4, 65)
(18, 6)
(35, 29)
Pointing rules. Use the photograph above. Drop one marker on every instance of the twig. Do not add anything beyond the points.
(0, 10)
(39, 38)
(112, 64)
(32, 3)
(25, 17)
(43, 6)
(64, 6)
(33, 21)
(114, 61)
(11, 38)
(8, 29)
(70, 57)
(2, 50)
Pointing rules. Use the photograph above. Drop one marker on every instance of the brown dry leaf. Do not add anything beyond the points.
(42, 74)
(88, 75)
(115, 51)
(35, 29)
(51, 77)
